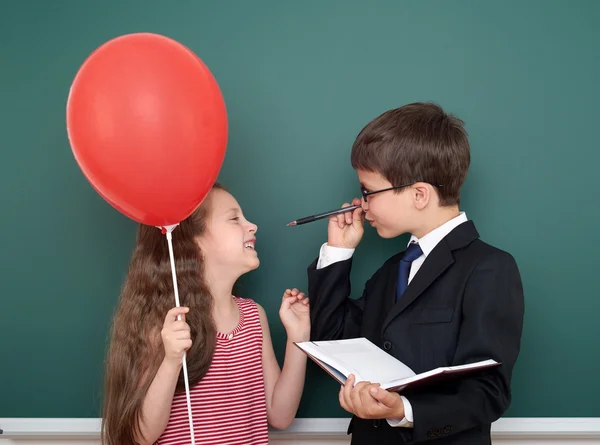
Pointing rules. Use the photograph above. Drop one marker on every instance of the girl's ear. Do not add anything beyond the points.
(199, 241)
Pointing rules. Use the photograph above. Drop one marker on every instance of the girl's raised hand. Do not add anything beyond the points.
(295, 315)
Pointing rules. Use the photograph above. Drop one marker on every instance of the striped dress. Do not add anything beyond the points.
(228, 403)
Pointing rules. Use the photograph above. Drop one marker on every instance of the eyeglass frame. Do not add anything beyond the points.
(366, 194)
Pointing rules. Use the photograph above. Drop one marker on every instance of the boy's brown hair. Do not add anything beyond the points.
(418, 142)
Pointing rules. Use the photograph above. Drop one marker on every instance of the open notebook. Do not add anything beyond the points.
(367, 362)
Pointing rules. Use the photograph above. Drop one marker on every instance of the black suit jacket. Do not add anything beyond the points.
(465, 304)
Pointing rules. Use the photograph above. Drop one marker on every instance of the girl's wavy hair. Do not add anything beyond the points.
(136, 351)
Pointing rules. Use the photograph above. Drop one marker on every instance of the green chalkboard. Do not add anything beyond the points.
(300, 79)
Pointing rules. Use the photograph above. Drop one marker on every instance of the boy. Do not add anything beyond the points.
(449, 299)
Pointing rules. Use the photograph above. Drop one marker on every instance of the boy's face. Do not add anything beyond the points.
(392, 212)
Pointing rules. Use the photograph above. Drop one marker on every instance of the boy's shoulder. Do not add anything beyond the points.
(487, 253)
(465, 246)
(481, 255)
(482, 248)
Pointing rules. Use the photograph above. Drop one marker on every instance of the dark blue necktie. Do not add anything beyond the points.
(412, 253)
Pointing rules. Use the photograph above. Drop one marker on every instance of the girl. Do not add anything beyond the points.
(236, 385)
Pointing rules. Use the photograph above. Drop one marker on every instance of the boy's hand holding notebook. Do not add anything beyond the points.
(367, 362)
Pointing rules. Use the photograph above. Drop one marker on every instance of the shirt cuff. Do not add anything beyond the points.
(329, 255)
(408, 420)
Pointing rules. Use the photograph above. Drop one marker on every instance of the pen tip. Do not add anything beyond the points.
(293, 223)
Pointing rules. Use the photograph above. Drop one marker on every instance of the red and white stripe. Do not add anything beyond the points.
(228, 404)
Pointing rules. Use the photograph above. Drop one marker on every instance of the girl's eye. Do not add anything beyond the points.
(236, 218)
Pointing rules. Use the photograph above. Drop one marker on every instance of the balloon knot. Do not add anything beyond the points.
(163, 230)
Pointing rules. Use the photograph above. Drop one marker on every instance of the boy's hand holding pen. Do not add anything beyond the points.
(345, 227)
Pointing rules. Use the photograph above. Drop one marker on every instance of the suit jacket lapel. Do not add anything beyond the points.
(435, 264)
(389, 292)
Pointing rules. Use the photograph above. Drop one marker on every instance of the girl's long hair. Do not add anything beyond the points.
(136, 351)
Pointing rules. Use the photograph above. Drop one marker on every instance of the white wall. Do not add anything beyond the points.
(507, 431)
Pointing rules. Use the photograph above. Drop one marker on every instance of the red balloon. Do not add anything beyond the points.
(148, 127)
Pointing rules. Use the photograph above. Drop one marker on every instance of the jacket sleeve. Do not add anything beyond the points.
(333, 314)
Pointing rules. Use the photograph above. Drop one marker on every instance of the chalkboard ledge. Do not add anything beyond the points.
(325, 428)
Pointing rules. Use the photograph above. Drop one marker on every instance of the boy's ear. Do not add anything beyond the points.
(422, 195)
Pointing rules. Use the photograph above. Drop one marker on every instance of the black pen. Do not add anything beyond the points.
(323, 215)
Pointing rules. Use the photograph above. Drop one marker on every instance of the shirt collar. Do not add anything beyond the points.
(429, 241)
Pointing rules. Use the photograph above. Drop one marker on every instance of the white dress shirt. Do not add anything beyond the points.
(329, 255)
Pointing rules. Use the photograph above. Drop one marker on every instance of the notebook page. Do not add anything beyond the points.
(338, 374)
(319, 354)
(448, 369)
(361, 357)
(472, 365)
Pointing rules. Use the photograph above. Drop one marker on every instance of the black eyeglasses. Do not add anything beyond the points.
(366, 193)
